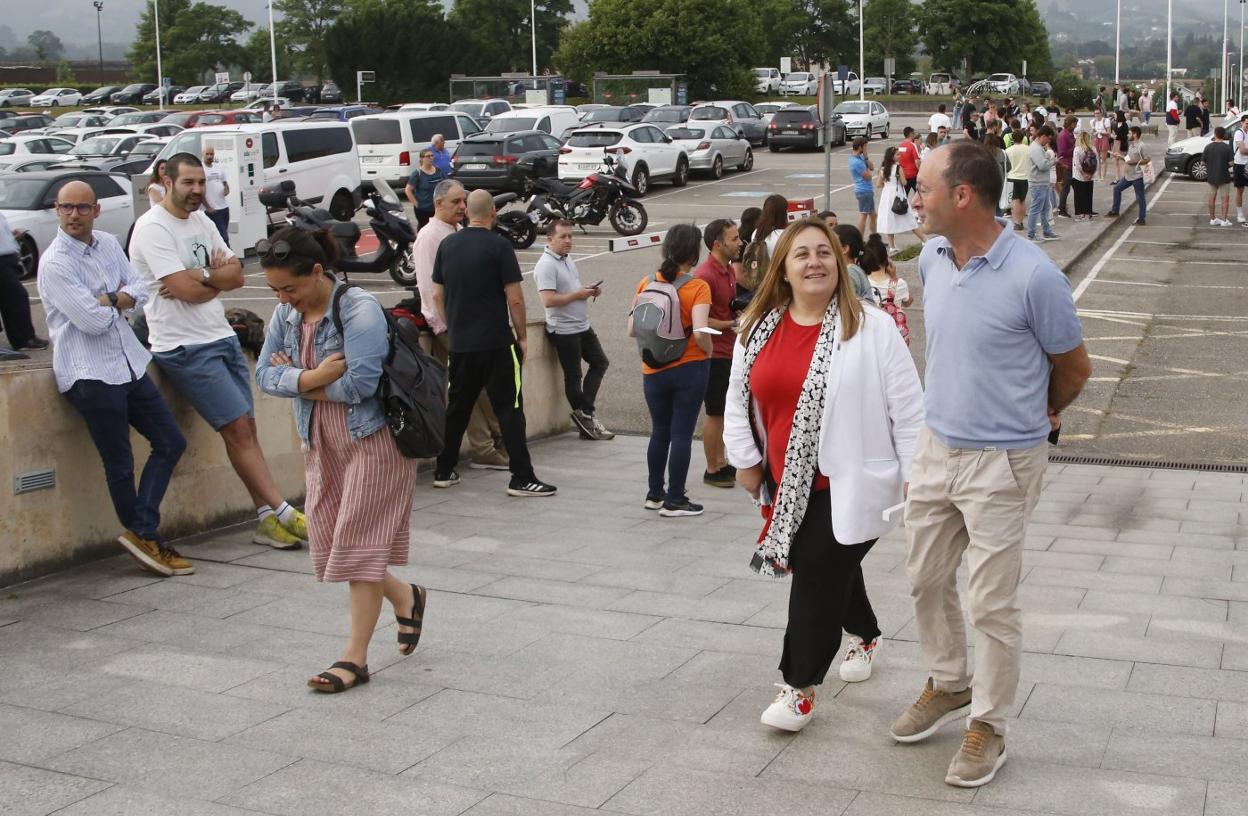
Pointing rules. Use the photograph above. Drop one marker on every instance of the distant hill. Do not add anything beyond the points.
(1082, 20)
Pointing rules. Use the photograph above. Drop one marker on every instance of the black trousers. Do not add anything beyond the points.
(498, 372)
(1083, 197)
(572, 349)
(828, 595)
(14, 303)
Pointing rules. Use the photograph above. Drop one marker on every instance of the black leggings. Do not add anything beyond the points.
(828, 595)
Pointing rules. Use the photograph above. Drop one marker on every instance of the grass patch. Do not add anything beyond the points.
(908, 253)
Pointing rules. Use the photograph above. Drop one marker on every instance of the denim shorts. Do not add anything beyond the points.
(212, 377)
(866, 201)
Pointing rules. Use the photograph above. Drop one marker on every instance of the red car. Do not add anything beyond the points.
(190, 119)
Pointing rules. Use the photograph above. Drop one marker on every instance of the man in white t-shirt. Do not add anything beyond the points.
(216, 188)
(1172, 118)
(938, 120)
(186, 264)
(1239, 168)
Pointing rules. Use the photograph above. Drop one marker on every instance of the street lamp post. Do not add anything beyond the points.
(1240, 95)
(533, 31)
(1169, 46)
(99, 34)
(862, 61)
(273, 52)
(1224, 57)
(160, 74)
(1117, 39)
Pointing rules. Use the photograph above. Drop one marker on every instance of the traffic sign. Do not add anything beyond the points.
(222, 78)
(890, 65)
(786, 65)
(842, 72)
(247, 76)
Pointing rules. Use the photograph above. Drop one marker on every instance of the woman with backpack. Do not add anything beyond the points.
(891, 181)
(824, 408)
(892, 292)
(360, 487)
(1084, 168)
(674, 368)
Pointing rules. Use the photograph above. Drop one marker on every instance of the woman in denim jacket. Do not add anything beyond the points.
(359, 486)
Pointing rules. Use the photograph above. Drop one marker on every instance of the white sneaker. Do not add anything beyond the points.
(858, 658)
(1239, 216)
(1213, 222)
(1226, 223)
(791, 709)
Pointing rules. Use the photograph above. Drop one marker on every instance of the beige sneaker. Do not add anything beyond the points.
(981, 756)
(933, 709)
(494, 460)
(147, 553)
(174, 561)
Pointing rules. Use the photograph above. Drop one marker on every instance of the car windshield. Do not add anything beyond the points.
(709, 114)
(664, 116)
(128, 119)
(686, 133)
(132, 89)
(592, 138)
(798, 77)
(762, 72)
(605, 115)
(21, 194)
(68, 120)
(768, 107)
(7, 148)
(852, 107)
(470, 108)
(96, 146)
(510, 124)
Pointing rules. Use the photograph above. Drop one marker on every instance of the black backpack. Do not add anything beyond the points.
(412, 388)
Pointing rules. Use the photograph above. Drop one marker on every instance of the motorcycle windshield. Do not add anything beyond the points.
(385, 191)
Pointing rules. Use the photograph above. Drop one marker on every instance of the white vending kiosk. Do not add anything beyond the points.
(241, 157)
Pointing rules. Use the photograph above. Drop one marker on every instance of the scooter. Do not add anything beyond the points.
(386, 217)
(605, 194)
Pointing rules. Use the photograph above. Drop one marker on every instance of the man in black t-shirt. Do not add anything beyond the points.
(477, 293)
(1191, 118)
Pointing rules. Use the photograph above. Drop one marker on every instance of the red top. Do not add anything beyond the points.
(908, 158)
(776, 383)
(723, 285)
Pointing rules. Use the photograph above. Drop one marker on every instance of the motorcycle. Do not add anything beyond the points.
(387, 218)
(514, 225)
(605, 194)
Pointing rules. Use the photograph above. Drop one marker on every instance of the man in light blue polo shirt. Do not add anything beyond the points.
(1005, 355)
(860, 170)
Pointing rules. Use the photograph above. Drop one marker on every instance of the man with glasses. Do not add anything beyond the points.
(441, 156)
(14, 302)
(186, 264)
(87, 285)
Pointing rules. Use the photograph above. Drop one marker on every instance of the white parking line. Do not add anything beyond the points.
(1122, 239)
(733, 177)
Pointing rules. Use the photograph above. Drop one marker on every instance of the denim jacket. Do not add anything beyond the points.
(365, 346)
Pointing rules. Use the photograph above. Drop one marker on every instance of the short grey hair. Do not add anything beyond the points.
(445, 188)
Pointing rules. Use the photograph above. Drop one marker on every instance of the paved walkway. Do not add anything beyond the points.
(581, 653)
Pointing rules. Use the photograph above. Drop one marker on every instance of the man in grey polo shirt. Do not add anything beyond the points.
(567, 325)
(1005, 355)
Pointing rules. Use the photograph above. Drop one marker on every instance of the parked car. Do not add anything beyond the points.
(1186, 156)
(389, 143)
(285, 89)
(481, 109)
(57, 98)
(70, 120)
(76, 135)
(222, 117)
(850, 86)
(741, 115)
(590, 106)
(341, 113)
(247, 93)
(767, 81)
(863, 118)
(137, 118)
(15, 97)
(22, 145)
(1041, 88)
(555, 120)
(331, 94)
(1002, 84)
(110, 112)
(801, 127)
(872, 86)
(139, 160)
(644, 107)
(644, 151)
(221, 92)
(506, 160)
(941, 84)
(20, 122)
(30, 162)
(907, 86)
(100, 95)
(615, 114)
(1024, 87)
(190, 96)
(799, 83)
(132, 94)
(160, 130)
(26, 201)
(424, 106)
(666, 117)
(164, 93)
(711, 148)
(107, 145)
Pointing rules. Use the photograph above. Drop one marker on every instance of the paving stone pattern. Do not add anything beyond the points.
(583, 655)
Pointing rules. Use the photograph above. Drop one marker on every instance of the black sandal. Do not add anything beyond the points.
(410, 639)
(336, 683)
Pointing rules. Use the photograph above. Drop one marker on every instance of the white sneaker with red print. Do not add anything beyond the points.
(858, 658)
(791, 709)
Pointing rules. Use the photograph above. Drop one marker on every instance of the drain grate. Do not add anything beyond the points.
(1115, 461)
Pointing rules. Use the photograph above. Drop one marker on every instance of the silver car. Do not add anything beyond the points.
(712, 147)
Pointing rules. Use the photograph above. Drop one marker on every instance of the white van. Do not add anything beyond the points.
(553, 119)
(941, 84)
(319, 158)
(390, 143)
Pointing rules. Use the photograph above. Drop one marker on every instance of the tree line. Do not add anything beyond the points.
(415, 45)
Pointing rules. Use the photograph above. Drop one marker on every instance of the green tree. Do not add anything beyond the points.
(495, 35)
(973, 36)
(46, 45)
(65, 74)
(255, 56)
(408, 44)
(195, 40)
(622, 36)
(828, 33)
(302, 31)
(889, 31)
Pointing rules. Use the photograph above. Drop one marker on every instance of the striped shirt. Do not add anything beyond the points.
(90, 341)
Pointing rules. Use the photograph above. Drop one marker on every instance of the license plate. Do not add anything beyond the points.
(792, 130)
(475, 167)
(373, 159)
(592, 166)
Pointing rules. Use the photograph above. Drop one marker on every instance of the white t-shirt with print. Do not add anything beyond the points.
(163, 244)
(1240, 138)
(214, 187)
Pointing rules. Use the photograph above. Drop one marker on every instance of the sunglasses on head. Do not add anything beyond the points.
(277, 250)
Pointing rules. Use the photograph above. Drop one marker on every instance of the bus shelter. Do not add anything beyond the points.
(641, 86)
(515, 88)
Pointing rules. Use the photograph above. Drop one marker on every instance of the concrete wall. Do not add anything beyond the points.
(46, 530)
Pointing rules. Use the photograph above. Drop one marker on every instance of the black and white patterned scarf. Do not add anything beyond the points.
(801, 457)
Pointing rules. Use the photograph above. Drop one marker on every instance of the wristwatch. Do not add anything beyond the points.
(207, 274)
(112, 299)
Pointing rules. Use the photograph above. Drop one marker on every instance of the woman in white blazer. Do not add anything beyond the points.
(824, 407)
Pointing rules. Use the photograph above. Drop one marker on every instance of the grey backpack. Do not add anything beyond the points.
(661, 337)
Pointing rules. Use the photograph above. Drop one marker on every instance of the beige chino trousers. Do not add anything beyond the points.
(484, 437)
(974, 503)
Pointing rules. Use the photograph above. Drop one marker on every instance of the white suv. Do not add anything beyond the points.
(646, 152)
(767, 80)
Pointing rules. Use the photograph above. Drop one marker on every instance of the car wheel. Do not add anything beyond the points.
(869, 133)
(717, 168)
(682, 172)
(1197, 169)
(774, 148)
(28, 256)
(341, 207)
(748, 164)
(885, 134)
(641, 179)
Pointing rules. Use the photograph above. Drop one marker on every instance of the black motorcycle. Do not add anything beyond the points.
(514, 225)
(601, 195)
(386, 217)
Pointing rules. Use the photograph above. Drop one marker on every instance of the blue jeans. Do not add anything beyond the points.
(1138, 184)
(109, 411)
(221, 218)
(1039, 209)
(674, 397)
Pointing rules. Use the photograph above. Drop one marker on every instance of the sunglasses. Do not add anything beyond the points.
(81, 209)
(277, 250)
